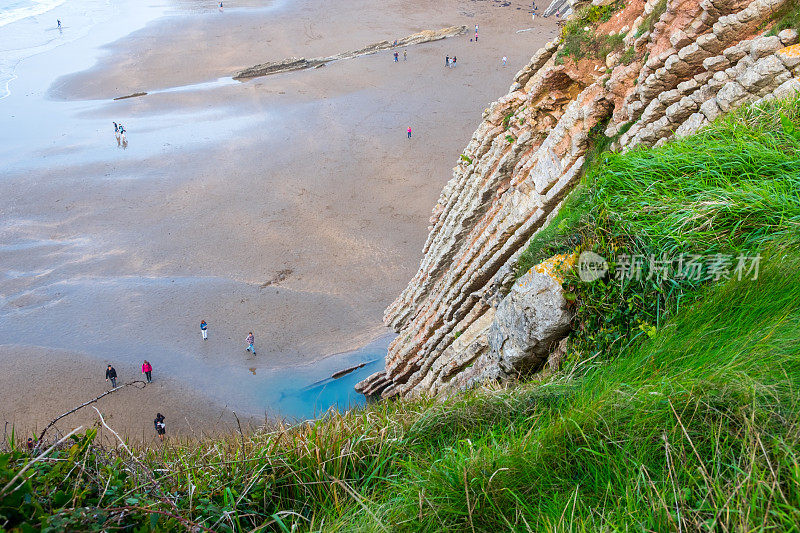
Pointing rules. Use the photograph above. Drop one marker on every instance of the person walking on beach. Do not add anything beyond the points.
(147, 370)
(251, 343)
(161, 427)
(447, 61)
(405, 55)
(505, 60)
(116, 132)
(59, 23)
(396, 55)
(122, 137)
(454, 61)
(204, 329)
(111, 374)
(409, 132)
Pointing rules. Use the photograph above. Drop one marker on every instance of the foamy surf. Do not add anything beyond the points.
(14, 10)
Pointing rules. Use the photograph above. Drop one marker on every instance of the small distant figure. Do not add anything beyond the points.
(447, 61)
(505, 60)
(161, 427)
(455, 59)
(116, 132)
(30, 444)
(405, 55)
(220, 6)
(251, 343)
(111, 374)
(123, 139)
(396, 57)
(395, 42)
(147, 370)
(204, 329)
(59, 23)
(476, 36)
(409, 132)
(476, 28)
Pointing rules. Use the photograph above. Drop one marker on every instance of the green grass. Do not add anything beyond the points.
(732, 189)
(698, 425)
(788, 17)
(580, 38)
(650, 20)
(677, 407)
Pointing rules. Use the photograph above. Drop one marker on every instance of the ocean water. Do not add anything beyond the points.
(30, 27)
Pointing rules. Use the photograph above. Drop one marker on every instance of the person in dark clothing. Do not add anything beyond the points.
(112, 375)
(161, 427)
(30, 444)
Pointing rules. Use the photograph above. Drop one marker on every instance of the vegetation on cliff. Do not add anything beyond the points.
(677, 410)
(697, 426)
(724, 193)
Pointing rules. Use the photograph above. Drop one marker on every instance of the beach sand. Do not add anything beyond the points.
(292, 205)
(48, 383)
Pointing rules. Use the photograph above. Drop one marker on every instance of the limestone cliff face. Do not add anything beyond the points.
(463, 319)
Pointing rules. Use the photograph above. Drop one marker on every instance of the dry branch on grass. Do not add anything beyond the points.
(136, 383)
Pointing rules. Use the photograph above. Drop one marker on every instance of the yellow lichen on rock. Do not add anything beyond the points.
(790, 51)
(556, 266)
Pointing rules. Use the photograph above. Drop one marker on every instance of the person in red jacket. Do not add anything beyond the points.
(147, 370)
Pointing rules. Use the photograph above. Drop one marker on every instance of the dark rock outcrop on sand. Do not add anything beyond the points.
(294, 63)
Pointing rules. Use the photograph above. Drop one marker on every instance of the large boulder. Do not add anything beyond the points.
(529, 322)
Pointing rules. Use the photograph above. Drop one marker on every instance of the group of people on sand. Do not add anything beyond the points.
(119, 133)
(111, 373)
(250, 340)
(147, 370)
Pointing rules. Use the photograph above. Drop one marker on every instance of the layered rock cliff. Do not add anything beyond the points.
(638, 72)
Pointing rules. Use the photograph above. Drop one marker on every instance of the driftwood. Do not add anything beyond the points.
(137, 383)
(340, 373)
(134, 95)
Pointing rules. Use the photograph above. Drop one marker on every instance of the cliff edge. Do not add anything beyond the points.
(637, 73)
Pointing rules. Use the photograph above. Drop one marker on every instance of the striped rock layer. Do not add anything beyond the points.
(694, 62)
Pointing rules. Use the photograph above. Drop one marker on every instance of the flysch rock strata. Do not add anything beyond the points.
(294, 63)
(697, 61)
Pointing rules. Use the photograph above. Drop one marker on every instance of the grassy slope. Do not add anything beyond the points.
(696, 425)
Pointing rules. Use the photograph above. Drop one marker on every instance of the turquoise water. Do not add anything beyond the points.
(75, 282)
(306, 392)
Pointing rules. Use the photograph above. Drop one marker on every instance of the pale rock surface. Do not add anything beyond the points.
(462, 320)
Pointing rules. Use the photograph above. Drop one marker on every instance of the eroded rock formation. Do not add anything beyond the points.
(294, 63)
(462, 319)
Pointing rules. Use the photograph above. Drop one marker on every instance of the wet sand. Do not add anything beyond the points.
(292, 206)
(71, 379)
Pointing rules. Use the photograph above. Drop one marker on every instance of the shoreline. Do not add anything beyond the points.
(292, 206)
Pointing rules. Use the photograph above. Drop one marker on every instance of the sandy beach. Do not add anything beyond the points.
(291, 205)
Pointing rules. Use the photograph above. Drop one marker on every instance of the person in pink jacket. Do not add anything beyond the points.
(147, 370)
